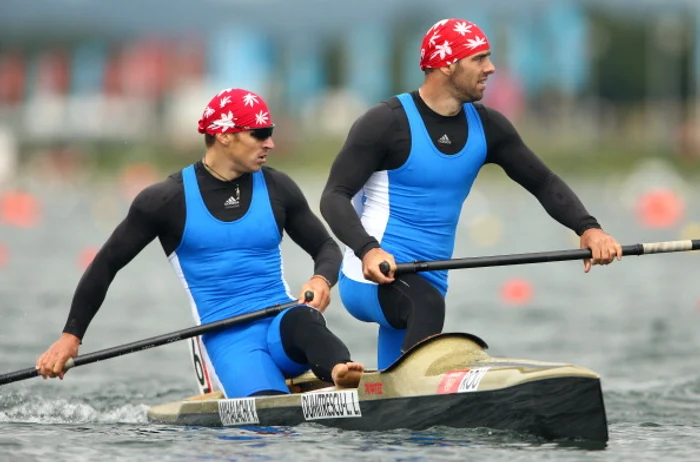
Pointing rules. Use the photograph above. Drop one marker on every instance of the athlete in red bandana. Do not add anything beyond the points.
(450, 40)
(220, 222)
(235, 110)
(396, 189)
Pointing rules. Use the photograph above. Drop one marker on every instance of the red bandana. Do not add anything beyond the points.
(450, 40)
(234, 110)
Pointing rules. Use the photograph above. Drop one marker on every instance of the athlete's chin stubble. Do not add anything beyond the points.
(465, 95)
(471, 97)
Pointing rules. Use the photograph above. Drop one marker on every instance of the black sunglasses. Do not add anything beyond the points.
(259, 133)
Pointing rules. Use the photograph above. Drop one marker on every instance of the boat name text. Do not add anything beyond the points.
(332, 405)
(238, 412)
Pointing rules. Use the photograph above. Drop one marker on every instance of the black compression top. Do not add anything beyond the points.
(159, 211)
(381, 140)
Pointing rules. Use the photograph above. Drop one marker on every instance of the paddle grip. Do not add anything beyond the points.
(384, 267)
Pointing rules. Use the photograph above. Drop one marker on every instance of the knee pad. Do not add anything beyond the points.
(301, 315)
(434, 300)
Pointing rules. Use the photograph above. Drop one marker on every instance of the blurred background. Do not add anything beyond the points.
(100, 99)
(589, 83)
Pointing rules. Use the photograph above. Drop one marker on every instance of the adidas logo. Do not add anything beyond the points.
(231, 202)
(444, 140)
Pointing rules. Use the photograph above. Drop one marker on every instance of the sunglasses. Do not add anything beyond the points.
(259, 133)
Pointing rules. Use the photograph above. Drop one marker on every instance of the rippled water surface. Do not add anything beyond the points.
(634, 322)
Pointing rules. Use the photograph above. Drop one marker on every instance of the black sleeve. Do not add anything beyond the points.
(362, 154)
(306, 229)
(136, 231)
(507, 149)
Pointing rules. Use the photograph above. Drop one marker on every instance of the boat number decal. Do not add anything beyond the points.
(202, 382)
(238, 411)
(470, 381)
(332, 405)
(461, 381)
(374, 388)
(450, 382)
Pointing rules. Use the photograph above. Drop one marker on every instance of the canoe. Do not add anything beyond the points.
(446, 380)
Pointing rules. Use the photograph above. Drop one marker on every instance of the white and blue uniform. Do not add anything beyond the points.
(413, 212)
(232, 268)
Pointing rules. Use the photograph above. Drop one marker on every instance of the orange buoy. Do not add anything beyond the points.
(660, 208)
(20, 209)
(517, 292)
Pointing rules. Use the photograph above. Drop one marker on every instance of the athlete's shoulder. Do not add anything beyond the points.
(277, 177)
(273, 173)
(372, 126)
(383, 112)
(489, 114)
(393, 103)
(158, 195)
(281, 186)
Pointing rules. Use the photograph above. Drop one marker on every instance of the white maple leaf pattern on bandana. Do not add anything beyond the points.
(442, 50)
(439, 24)
(475, 42)
(261, 118)
(250, 100)
(225, 122)
(463, 28)
(208, 112)
(224, 101)
(433, 38)
(225, 90)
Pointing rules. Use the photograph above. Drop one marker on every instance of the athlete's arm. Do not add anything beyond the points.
(137, 230)
(507, 149)
(363, 153)
(304, 227)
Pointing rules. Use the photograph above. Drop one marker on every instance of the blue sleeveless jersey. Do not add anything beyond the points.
(229, 268)
(232, 268)
(413, 210)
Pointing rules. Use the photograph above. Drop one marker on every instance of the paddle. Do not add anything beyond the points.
(536, 257)
(158, 341)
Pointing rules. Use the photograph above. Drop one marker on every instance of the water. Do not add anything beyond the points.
(633, 322)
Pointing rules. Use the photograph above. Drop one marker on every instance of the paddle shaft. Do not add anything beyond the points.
(537, 257)
(152, 342)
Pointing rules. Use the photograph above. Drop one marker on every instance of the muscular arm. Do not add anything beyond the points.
(306, 229)
(136, 231)
(364, 152)
(507, 149)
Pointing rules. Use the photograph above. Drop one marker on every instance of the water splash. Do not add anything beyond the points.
(27, 408)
